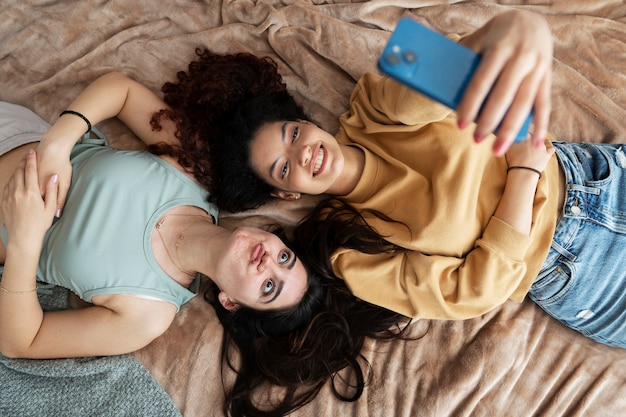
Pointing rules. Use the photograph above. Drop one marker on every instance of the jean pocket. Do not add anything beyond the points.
(551, 284)
(597, 162)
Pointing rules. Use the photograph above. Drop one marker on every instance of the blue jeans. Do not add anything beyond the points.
(583, 280)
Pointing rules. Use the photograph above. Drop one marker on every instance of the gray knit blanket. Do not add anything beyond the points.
(114, 386)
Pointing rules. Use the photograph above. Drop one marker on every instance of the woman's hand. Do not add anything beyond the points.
(515, 74)
(54, 159)
(27, 215)
(528, 155)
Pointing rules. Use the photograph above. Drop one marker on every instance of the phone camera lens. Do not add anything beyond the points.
(409, 57)
(392, 59)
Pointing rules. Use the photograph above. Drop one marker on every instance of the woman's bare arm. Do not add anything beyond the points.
(111, 95)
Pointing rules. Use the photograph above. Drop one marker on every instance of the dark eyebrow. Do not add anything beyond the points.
(293, 262)
(281, 283)
(283, 133)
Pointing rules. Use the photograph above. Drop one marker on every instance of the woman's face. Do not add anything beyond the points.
(258, 270)
(296, 157)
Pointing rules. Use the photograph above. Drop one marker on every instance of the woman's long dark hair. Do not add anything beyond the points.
(335, 224)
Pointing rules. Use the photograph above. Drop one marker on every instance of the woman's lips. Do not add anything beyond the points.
(257, 254)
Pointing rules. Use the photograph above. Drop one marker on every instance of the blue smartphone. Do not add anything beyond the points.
(432, 64)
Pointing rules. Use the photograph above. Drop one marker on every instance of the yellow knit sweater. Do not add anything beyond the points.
(443, 189)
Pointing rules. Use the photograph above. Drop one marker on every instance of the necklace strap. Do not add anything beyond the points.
(159, 226)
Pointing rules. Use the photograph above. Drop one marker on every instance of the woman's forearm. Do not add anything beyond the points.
(113, 94)
(21, 314)
(102, 99)
(516, 205)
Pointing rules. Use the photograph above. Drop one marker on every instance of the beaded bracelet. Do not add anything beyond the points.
(75, 113)
(536, 171)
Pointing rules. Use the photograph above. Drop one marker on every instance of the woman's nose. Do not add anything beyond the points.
(261, 266)
(305, 155)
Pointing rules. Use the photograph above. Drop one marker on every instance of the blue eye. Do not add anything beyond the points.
(269, 287)
(284, 257)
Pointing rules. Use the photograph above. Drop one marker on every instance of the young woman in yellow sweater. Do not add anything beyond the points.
(445, 227)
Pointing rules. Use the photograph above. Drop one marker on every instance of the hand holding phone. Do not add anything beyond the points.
(432, 64)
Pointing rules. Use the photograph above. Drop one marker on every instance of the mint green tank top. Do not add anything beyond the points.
(101, 244)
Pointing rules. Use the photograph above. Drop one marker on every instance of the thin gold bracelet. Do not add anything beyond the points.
(16, 292)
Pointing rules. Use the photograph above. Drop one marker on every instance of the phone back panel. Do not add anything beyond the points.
(428, 62)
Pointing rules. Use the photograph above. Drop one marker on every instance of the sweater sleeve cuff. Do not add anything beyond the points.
(510, 241)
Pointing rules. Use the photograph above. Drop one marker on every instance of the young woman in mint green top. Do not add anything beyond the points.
(135, 230)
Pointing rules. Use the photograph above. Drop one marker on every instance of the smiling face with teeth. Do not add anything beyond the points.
(298, 157)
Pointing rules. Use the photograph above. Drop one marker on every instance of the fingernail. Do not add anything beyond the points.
(31, 151)
(498, 147)
(478, 137)
(462, 124)
(58, 213)
(55, 178)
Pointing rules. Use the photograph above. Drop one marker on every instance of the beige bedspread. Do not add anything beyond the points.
(515, 361)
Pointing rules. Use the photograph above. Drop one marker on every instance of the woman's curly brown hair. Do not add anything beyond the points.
(211, 88)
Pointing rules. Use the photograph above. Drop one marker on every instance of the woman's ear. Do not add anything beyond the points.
(286, 195)
(226, 302)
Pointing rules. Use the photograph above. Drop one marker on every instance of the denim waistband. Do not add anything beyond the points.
(583, 280)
